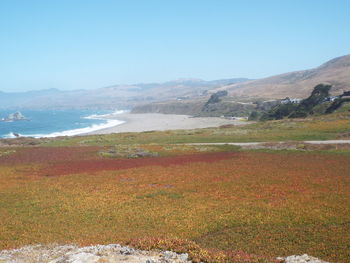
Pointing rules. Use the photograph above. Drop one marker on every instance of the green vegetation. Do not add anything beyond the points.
(317, 103)
(216, 97)
(6, 151)
(337, 104)
(299, 110)
(282, 110)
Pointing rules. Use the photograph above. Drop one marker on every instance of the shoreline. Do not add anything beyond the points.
(68, 126)
(142, 122)
(119, 122)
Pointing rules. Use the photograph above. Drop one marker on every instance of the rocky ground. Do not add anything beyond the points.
(301, 259)
(108, 254)
(92, 254)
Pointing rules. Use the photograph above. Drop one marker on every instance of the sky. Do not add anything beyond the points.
(85, 44)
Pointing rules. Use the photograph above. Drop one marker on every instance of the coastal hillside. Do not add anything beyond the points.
(298, 84)
(225, 106)
(187, 107)
(185, 95)
(318, 103)
(239, 97)
(112, 97)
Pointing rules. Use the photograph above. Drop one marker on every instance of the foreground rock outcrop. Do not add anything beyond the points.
(112, 253)
(93, 254)
(301, 259)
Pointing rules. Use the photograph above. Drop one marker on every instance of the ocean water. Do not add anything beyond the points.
(53, 123)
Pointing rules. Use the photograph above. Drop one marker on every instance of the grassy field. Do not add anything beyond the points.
(219, 203)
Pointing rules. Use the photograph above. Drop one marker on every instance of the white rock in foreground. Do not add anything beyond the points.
(93, 254)
(108, 254)
(302, 259)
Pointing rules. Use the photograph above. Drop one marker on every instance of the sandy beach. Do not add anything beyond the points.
(162, 122)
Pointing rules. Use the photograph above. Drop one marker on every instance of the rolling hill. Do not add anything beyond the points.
(298, 84)
(112, 97)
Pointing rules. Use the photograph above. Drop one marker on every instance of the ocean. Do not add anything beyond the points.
(53, 123)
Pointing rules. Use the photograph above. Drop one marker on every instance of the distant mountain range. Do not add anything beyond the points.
(112, 97)
(298, 84)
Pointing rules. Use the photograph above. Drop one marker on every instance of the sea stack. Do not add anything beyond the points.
(17, 116)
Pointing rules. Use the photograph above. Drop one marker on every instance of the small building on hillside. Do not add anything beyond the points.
(290, 100)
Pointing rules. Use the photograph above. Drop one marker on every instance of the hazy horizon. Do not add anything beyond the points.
(85, 45)
(123, 84)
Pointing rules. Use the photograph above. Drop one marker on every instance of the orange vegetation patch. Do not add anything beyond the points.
(95, 165)
(266, 204)
(198, 253)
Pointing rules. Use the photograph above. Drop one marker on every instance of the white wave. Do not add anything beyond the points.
(11, 135)
(92, 128)
(103, 116)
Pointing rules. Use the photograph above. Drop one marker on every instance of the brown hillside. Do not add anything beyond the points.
(298, 84)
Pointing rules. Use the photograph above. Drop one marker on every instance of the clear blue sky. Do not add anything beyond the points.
(73, 44)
